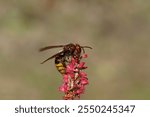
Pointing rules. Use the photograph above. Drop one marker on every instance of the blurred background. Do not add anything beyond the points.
(118, 31)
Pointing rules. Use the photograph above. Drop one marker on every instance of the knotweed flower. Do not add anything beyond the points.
(74, 79)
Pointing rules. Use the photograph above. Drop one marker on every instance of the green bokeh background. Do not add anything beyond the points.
(118, 31)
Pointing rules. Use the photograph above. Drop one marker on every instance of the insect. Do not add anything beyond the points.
(68, 50)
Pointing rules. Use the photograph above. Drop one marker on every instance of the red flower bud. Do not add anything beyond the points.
(81, 65)
(65, 78)
(63, 88)
(84, 56)
(84, 81)
(83, 75)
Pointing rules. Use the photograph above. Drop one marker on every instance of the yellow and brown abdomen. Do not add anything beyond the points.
(60, 67)
(60, 64)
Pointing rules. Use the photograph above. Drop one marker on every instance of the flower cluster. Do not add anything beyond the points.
(74, 79)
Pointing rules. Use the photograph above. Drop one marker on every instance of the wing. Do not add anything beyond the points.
(52, 57)
(50, 47)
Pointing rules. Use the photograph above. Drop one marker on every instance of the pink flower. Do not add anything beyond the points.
(74, 79)
(81, 65)
(70, 68)
(84, 81)
(71, 75)
(65, 78)
(83, 75)
(63, 88)
(80, 90)
(73, 61)
(84, 56)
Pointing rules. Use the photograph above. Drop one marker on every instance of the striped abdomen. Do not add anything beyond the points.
(60, 65)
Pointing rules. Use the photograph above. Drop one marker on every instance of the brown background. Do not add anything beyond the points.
(118, 31)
